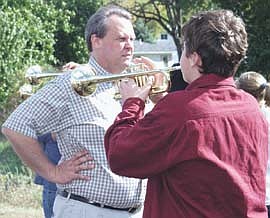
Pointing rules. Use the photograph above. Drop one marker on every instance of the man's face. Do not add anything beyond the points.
(190, 66)
(116, 48)
(185, 66)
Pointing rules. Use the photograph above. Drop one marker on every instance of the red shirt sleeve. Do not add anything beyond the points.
(137, 147)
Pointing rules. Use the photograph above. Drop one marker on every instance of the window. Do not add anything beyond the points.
(164, 36)
(165, 60)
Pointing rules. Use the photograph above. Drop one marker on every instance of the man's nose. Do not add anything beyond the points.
(130, 44)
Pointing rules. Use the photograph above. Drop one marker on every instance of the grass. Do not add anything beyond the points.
(19, 196)
(9, 162)
(7, 211)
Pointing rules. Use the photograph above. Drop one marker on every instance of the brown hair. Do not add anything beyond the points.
(219, 37)
(267, 95)
(253, 83)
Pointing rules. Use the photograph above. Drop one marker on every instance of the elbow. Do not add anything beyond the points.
(9, 134)
(5, 131)
(115, 166)
(122, 168)
(120, 163)
(117, 171)
(126, 172)
(118, 166)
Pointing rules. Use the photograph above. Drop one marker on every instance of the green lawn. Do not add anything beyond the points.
(19, 197)
(9, 211)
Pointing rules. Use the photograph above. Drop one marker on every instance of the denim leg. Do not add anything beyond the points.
(268, 210)
(48, 197)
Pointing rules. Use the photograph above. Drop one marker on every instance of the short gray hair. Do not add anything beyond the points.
(97, 22)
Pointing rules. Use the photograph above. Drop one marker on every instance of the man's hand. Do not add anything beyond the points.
(128, 88)
(157, 78)
(70, 65)
(70, 169)
(147, 62)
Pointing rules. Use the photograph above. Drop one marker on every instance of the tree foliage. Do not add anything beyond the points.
(145, 32)
(255, 14)
(51, 32)
(41, 32)
(27, 36)
(70, 43)
(169, 14)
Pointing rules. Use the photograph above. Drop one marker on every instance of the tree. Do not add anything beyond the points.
(27, 37)
(255, 14)
(40, 32)
(169, 14)
(70, 44)
(146, 33)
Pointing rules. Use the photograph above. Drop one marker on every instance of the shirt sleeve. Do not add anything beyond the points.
(40, 113)
(137, 147)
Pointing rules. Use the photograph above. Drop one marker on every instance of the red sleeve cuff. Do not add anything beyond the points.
(133, 102)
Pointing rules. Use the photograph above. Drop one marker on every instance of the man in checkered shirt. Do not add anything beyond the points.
(80, 124)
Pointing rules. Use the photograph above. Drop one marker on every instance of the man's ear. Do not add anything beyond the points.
(96, 41)
(195, 60)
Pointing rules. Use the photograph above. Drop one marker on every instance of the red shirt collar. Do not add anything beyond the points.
(207, 80)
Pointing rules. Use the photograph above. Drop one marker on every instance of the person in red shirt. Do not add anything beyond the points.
(203, 149)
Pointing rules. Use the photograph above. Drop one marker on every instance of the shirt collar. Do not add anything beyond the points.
(207, 80)
(99, 69)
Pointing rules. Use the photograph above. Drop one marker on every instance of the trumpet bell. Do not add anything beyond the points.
(82, 80)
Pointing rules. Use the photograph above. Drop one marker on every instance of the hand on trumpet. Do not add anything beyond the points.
(70, 65)
(128, 89)
(148, 64)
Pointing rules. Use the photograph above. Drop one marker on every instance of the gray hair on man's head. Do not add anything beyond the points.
(97, 22)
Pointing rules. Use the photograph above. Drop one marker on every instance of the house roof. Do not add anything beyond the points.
(159, 46)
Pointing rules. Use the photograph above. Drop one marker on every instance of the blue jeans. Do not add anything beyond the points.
(48, 197)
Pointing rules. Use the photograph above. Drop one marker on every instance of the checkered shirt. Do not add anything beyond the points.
(80, 123)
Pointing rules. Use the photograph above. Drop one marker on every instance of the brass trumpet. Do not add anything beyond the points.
(35, 73)
(84, 80)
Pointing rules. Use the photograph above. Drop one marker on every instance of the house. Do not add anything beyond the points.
(163, 51)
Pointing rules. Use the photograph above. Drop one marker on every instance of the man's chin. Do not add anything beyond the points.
(127, 63)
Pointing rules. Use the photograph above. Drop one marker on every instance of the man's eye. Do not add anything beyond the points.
(122, 39)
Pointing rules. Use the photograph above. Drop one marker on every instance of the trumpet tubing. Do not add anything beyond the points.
(84, 80)
(35, 73)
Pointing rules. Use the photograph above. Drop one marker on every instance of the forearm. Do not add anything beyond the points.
(134, 147)
(31, 153)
